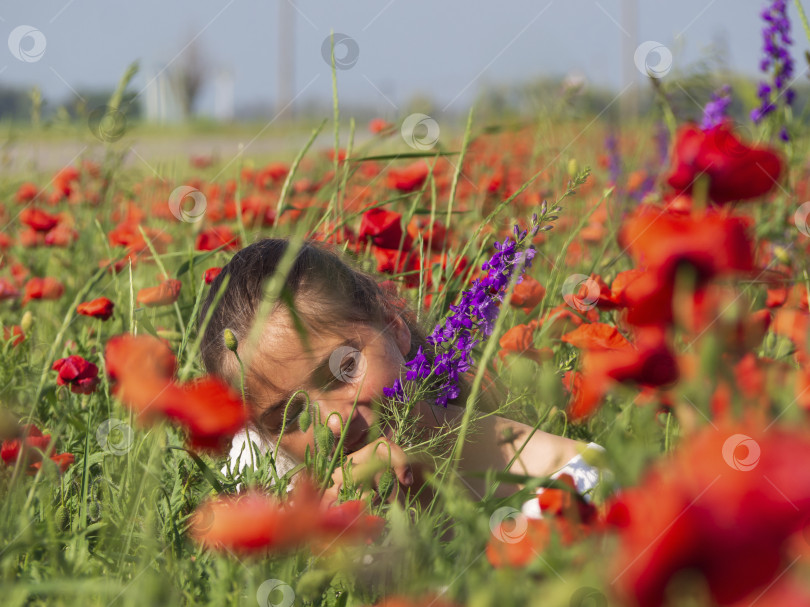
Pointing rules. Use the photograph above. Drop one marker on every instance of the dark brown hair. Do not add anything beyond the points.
(325, 289)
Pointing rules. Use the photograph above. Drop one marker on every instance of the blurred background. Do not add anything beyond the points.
(205, 64)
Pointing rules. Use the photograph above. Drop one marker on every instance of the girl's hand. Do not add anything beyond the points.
(368, 464)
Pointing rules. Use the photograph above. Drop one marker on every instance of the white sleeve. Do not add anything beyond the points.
(585, 476)
(239, 455)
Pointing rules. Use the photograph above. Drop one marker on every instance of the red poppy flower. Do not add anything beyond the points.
(735, 171)
(62, 460)
(409, 178)
(208, 409)
(378, 125)
(164, 294)
(16, 332)
(519, 340)
(61, 236)
(248, 523)
(216, 237)
(527, 294)
(31, 437)
(647, 362)
(78, 373)
(38, 220)
(211, 274)
(254, 523)
(141, 367)
(384, 229)
(434, 233)
(42, 288)
(724, 507)
(98, 308)
(26, 192)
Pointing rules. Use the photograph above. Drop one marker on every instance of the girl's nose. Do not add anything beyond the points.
(343, 414)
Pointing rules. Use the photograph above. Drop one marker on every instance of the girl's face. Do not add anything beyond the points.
(334, 371)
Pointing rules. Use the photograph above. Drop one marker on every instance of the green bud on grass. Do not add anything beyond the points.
(304, 419)
(324, 438)
(386, 484)
(312, 583)
(230, 340)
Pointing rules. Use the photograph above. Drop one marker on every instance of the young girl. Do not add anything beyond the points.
(338, 335)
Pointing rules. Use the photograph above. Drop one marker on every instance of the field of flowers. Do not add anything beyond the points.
(662, 313)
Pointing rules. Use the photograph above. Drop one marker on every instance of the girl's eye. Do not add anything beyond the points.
(347, 364)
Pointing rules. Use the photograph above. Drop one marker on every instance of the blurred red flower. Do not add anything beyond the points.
(216, 237)
(724, 508)
(211, 274)
(42, 288)
(384, 229)
(38, 220)
(734, 170)
(409, 178)
(164, 294)
(98, 308)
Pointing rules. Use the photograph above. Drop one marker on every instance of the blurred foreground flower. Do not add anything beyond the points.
(723, 509)
(255, 523)
(143, 369)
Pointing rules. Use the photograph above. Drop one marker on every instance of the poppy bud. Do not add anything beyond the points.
(304, 419)
(27, 321)
(312, 584)
(230, 340)
(61, 518)
(386, 484)
(324, 438)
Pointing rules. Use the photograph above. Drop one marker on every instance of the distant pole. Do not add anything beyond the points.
(286, 59)
(629, 105)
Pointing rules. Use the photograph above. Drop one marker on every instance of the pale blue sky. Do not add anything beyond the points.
(448, 49)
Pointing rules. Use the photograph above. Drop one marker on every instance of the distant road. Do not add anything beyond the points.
(157, 154)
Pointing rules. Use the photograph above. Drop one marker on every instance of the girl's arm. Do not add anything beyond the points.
(485, 449)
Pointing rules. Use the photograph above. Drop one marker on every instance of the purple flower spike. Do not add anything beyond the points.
(775, 42)
(476, 313)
